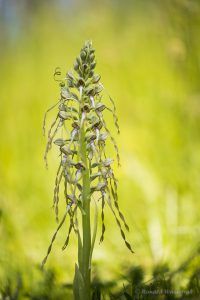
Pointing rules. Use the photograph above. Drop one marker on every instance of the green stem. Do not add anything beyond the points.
(86, 247)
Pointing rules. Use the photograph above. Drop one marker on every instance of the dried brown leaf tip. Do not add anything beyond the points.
(81, 108)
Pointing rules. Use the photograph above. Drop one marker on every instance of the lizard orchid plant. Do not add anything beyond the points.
(84, 168)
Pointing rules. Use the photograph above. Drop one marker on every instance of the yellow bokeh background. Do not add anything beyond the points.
(148, 55)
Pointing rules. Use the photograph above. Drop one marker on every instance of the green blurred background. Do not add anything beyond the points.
(148, 54)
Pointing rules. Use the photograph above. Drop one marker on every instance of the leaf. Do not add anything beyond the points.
(80, 250)
(81, 208)
(78, 285)
(79, 186)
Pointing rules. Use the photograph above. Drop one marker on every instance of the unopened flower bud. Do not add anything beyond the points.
(76, 66)
(85, 67)
(78, 60)
(91, 73)
(92, 56)
(96, 78)
(83, 55)
(93, 65)
(92, 50)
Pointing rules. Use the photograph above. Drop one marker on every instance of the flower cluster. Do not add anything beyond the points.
(80, 120)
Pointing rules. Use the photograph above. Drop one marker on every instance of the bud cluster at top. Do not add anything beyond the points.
(84, 67)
